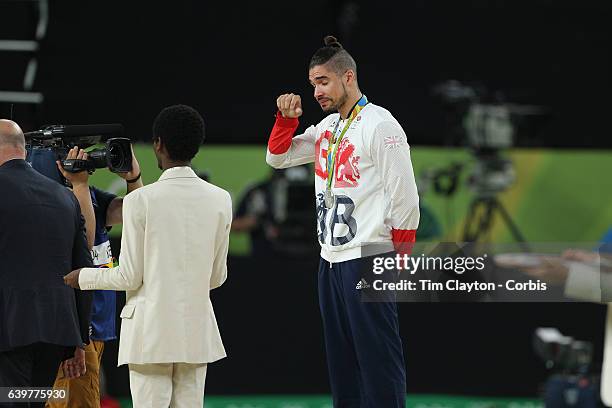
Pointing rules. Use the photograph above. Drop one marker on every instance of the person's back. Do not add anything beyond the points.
(35, 238)
(41, 239)
(199, 216)
(173, 252)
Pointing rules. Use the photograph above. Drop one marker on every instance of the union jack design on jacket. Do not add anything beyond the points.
(373, 181)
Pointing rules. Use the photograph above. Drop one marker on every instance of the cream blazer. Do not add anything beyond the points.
(173, 252)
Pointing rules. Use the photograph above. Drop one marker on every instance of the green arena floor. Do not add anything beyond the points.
(413, 401)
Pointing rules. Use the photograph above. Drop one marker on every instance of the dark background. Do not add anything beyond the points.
(123, 61)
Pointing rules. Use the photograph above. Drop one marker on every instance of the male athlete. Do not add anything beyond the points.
(365, 194)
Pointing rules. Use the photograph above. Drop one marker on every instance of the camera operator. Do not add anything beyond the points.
(41, 239)
(100, 210)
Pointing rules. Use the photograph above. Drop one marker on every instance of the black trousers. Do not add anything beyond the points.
(34, 365)
(362, 340)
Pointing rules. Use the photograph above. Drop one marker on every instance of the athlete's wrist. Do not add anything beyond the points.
(286, 122)
(403, 240)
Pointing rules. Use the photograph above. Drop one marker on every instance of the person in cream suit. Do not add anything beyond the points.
(586, 276)
(173, 252)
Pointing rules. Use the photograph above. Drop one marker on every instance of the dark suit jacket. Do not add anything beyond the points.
(42, 238)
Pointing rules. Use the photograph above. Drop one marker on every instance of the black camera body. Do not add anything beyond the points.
(116, 155)
(562, 353)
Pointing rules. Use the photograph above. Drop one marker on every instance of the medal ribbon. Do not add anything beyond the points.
(331, 155)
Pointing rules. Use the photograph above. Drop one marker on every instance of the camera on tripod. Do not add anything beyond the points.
(54, 142)
(483, 122)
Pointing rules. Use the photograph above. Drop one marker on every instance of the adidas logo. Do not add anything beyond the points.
(362, 284)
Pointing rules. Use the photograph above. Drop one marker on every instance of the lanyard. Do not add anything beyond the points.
(331, 155)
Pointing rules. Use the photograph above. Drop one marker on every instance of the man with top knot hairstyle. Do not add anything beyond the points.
(366, 198)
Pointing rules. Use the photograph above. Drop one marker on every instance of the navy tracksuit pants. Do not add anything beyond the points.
(362, 341)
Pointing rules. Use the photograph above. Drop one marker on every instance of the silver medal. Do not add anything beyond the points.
(329, 199)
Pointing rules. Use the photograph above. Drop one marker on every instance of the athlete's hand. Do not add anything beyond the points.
(289, 105)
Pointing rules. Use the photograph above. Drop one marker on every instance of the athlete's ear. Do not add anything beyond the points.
(349, 76)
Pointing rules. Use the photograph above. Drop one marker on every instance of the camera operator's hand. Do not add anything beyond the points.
(80, 178)
(114, 213)
(80, 188)
(131, 175)
(290, 105)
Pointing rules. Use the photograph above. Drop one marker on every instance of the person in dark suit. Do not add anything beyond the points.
(42, 238)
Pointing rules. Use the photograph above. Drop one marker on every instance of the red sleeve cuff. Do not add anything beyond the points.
(403, 240)
(282, 133)
(286, 122)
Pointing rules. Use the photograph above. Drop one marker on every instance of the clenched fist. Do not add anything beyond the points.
(290, 105)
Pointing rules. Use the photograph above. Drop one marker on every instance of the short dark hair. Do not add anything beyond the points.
(335, 55)
(181, 129)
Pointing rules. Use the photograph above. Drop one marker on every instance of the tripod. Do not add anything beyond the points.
(480, 216)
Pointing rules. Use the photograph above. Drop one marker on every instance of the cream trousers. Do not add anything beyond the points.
(174, 385)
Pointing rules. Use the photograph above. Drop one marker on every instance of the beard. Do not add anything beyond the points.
(335, 106)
